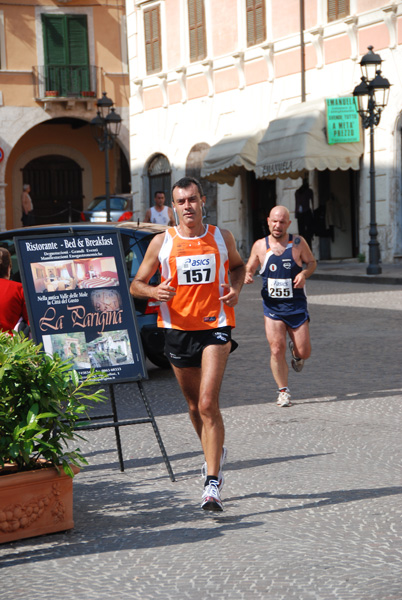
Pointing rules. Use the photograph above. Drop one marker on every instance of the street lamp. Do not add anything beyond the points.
(105, 128)
(372, 95)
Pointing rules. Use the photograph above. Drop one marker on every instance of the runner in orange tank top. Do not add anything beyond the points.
(202, 274)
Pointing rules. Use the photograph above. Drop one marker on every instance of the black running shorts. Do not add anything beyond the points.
(184, 348)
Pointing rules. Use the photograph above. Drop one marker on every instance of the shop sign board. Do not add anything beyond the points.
(79, 305)
(343, 121)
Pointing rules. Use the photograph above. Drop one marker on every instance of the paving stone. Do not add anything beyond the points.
(312, 498)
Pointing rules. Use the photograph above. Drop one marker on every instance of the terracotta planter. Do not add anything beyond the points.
(88, 94)
(51, 93)
(35, 503)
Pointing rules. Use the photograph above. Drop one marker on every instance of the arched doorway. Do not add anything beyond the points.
(159, 177)
(56, 188)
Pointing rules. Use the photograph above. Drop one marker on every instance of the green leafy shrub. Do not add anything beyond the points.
(41, 400)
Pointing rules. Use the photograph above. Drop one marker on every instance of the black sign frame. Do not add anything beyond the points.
(76, 289)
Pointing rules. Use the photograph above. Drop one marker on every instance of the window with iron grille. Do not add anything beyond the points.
(152, 27)
(337, 9)
(255, 14)
(196, 23)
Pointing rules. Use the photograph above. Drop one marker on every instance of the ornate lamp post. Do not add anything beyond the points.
(372, 95)
(105, 129)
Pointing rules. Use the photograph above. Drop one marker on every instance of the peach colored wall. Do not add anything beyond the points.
(366, 5)
(287, 63)
(17, 89)
(310, 57)
(21, 50)
(173, 32)
(225, 80)
(174, 93)
(107, 31)
(224, 27)
(117, 88)
(152, 98)
(197, 87)
(336, 49)
(376, 36)
(255, 72)
(78, 139)
(286, 21)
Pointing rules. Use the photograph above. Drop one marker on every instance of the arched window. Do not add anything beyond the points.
(159, 176)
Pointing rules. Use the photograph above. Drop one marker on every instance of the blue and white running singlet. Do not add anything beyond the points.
(280, 299)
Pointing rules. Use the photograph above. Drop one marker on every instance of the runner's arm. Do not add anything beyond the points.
(140, 287)
(253, 262)
(308, 260)
(236, 270)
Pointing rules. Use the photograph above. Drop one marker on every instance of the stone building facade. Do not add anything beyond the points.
(208, 79)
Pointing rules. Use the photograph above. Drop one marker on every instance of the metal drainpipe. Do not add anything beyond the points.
(302, 53)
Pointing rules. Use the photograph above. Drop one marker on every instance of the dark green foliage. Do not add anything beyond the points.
(41, 399)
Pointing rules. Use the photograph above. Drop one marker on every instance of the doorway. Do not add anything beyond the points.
(56, 189)
(159, 176)
(339, 209)
(261, 194)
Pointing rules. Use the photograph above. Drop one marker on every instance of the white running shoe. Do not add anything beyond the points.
(284, 399)
(211, 499)
(297, 363)
(221, 478)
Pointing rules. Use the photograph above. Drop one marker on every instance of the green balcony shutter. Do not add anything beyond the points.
(66, 53)
(77, 39)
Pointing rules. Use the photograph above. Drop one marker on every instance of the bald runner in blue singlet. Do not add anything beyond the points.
(281, 300)
(286, 261)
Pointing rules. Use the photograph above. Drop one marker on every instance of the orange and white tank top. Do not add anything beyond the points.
(198, 267)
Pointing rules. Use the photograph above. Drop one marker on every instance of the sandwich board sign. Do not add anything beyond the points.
(79, 305)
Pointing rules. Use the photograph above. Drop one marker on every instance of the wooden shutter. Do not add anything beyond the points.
(196, 23)
(152, 39)
(255, 16)
(77, 48)
(66, 53)
(338, 9)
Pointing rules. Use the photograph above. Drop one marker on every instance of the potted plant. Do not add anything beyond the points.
(51, 93)
(41, 400)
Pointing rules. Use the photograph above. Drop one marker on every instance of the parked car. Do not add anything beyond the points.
(135, 239)
(121, 208)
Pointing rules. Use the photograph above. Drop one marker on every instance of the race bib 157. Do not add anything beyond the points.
(196, 269)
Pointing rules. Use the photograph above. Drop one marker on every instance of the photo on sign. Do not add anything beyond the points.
(106, 300)
(80, 273)
(69, 346)
(110, 349)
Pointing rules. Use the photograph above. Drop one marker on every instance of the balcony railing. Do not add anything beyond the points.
(73, 81)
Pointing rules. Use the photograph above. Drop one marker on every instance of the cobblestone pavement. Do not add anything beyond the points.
(312, 499)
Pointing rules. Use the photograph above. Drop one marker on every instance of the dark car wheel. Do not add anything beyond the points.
(153, 343)
(159, 360)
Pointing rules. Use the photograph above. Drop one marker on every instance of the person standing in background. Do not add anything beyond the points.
(27, 206)
(159, 213)
(304, 210)
(12, 301)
